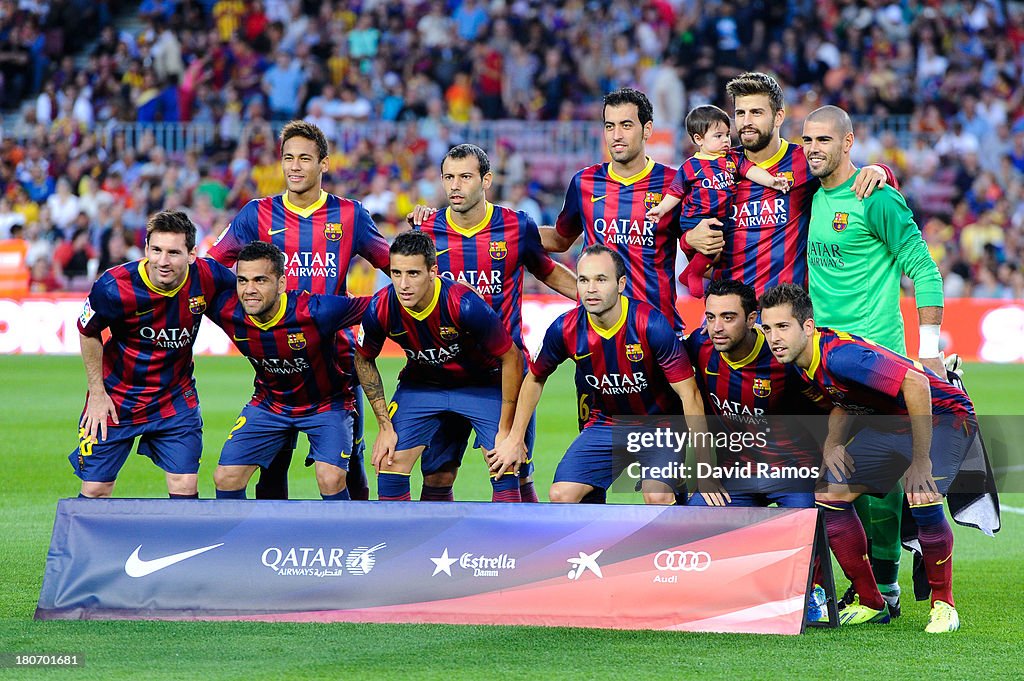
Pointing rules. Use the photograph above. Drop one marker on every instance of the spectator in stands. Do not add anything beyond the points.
(75, 261)
(64, 206)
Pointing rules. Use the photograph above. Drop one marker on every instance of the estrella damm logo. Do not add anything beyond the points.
(498, 250)
(449, 332)
(634, 352)
(762, 387)
(197, 304)
(652, 199)
(333, 231)
(841, 221)
(297, 341)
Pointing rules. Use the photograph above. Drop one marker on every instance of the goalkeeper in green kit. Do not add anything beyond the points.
(857, 251)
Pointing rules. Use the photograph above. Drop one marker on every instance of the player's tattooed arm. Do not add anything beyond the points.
(98, 405)
(373, 386)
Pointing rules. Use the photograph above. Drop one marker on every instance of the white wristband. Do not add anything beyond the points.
(929, 341)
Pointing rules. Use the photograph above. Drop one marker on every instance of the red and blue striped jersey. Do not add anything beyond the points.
(455, 341)
(147, 360)
(865, 378)
(294, 354)
(318, 241)
(622, 371)
(707, 185)
(767, 244)
(610, 210)
(491, 257)
(747, 392)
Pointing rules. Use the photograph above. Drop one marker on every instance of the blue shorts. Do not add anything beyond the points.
(258, 435)
(358, 441)
(591, 460)
(174, 444)
(881, 458)
(419, 412)
(783, 499)
(449, 443)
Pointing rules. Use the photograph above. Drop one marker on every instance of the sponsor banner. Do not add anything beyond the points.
(979, 330)
(622, 567)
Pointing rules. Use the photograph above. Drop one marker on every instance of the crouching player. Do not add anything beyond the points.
(860, 377)
(461, 362)
(629, 362)
(140, 381)
(289, 338)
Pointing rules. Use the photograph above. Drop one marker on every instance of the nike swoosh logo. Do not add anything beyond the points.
(699, 171)
(444, 251)
(595, 199)
(136, 567)
(272, 232)
(944, 560)
(579, 357)
(143, 312)
(235, 338)
(400, 333)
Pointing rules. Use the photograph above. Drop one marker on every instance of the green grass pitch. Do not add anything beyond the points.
(42, 398)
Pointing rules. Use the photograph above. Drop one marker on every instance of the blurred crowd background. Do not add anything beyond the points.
(115, 109)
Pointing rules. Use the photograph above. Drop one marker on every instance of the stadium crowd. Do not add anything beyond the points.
(936, 88)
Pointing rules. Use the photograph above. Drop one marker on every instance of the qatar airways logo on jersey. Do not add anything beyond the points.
(434, 356)
(766, 213)
(486, 282)
(280, 366)
(618, 384)
(625, 232)
(169, 339)
(737, 411)
(306, 264)
(718, 181)
(825, 255)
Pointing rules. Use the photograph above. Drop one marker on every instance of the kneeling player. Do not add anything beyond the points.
(289, 339)
(860, 377)
(629, 362)
(461, 362)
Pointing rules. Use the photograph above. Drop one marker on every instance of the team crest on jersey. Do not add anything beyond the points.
(652, 199)
(840, 221)
(634, 352)
(762, 387)
(730, 165)
(333, 231)
(297, 341)
(197, 304)
(833, 391)
(789, 177)
(449, 332)
(498, 250)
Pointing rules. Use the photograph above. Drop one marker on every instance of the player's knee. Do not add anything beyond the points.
(825, 498)
(659, 498)
(182, 483)
(564, 494)
(97, 490)
(228, 478)
(330, 479)
(444, 478)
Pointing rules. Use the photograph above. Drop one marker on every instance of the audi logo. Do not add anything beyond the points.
(683, 561)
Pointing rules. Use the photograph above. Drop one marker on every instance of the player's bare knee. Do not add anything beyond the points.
(229, 478)
(564, 494)
(330, 479)
(183, 483)
(659, 498)
(97, 490)
(827, 497)
(440, 478)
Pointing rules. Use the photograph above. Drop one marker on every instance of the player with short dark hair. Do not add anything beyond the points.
(925, 448)
(461, 362)
(320, 234)
(608, 203)
(629, 362)
(140, 380)
(744, 386)
(288, 337)
(488, 247)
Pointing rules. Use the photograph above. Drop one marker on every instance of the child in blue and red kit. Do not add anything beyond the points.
(707, 181)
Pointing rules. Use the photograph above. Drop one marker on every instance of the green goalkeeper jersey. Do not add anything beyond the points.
(856, 252)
